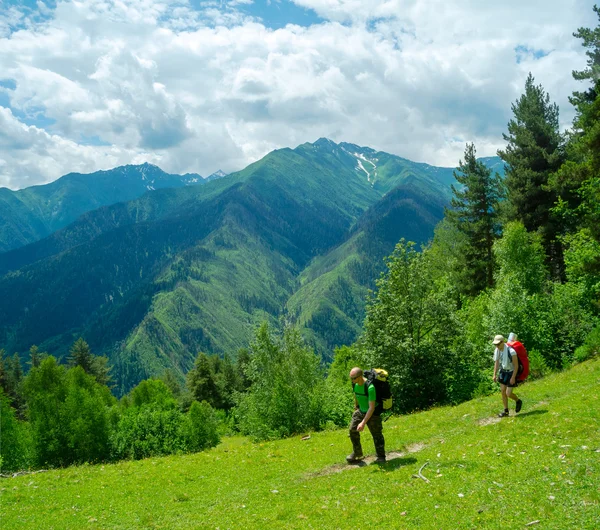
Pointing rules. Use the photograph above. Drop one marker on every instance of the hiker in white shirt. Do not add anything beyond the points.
(505, 359)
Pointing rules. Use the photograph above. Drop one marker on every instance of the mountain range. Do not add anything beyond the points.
(149, 278)
(33, 213)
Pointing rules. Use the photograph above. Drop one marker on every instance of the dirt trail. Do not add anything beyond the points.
(367, 461)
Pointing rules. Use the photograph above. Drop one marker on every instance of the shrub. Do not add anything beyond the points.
(148, 431)
(201, 430)
(286, 395)
(537, 365)
(15, 444)
(69, 415)
(590, 348)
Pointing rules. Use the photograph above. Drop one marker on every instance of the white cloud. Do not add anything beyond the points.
(29, 155)
(201, 90)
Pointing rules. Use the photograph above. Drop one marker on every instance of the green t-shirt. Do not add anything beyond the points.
(362, 397)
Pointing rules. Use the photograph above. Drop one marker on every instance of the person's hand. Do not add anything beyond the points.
(361, 426)
(512, 380)
(495, 378)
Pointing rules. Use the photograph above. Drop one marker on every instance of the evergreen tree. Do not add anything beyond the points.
(3, 373)
(97, 366)
(578, 181)
(242, 363)
(11, 380)
(81, 355)
(172, 382)
(474, 212)
(227, 382)
(35, 357)
(201, 381)
(534, 152)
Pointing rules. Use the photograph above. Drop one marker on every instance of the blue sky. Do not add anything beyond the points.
(276, 14)
(196, 86)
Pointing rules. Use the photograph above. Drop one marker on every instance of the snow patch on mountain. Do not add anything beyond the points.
(360, 158)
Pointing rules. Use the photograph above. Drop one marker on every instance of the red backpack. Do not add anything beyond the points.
(523, 370)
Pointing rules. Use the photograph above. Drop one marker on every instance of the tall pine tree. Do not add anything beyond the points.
(474, 212)
(534, 152)
(95, 365)
(578, 181)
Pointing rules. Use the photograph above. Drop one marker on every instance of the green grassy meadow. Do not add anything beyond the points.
(540, 466)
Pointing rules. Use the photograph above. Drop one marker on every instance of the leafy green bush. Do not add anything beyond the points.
(338, 397)
(153, 391)
(287, 391)
(15, 443)
(85, 418)
(201, 429)
(590, 348)
(582, 261)
(413, 331)
(68, 413)
(537, 365)
(149, 431)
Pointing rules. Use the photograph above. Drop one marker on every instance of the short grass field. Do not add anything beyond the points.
(539, 469)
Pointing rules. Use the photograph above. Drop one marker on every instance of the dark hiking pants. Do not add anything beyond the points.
(375, 426)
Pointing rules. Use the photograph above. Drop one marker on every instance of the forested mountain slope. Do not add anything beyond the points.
(31, 214)
(153, 281)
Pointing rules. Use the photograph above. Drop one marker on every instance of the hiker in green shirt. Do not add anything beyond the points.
(366, 412)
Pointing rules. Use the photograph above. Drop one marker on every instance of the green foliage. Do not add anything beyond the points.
(149, 431)
(297, 484)
(590, 347)
(287, 392)
(520, 258)
(36, 356)
(577, 183)
(411, 331)
(201, 381)
(551, 318)
(203, 427)
(11, 381)
(339, 401)
(81, 355)
(85, 419)
(538, 367)
(68, 414)
(46, 391)
(447, 258)
(582, 262)
(15, 443)
(534, 152)
(474, 212)
(153, 392)
(153, 429)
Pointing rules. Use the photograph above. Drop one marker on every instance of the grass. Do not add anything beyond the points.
(541, 465)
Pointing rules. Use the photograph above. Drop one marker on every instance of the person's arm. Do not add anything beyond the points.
(367, 417)
(496, 365)
(355, 403)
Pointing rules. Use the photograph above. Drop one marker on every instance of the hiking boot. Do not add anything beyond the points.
(519, 405)
(503, 414)
(353, 457)
(380, 460)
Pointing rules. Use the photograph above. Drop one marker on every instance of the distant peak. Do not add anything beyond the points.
(216, 175)
(147, 165)
(325, 142)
